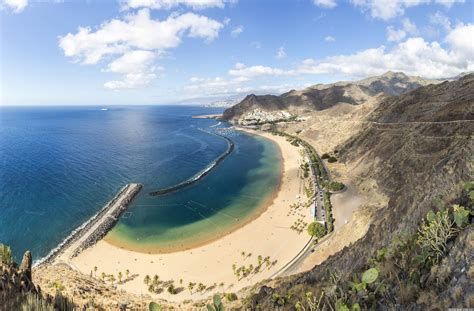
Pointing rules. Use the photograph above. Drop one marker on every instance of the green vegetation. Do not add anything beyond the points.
(216, 304)
(299, 225)
(244, 271)
(191, 287)
(333, 186)
(316, 230)
(153, 306)
(411, 269)
(322, 177)
(332, 159)
(325, 156)
(230, 296)
(328, 208)
(6, 257)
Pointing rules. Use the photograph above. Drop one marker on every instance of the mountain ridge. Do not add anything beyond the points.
(323, 96)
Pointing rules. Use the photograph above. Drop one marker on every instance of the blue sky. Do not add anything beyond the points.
(166, 51)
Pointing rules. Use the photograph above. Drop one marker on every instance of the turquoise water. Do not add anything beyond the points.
(60, 165)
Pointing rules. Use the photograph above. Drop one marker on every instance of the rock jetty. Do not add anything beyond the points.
(200, 175)
(95, 228)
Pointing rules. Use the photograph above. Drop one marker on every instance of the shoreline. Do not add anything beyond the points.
(263, 207)
(93, 229)
(268, 233)
(216, 116)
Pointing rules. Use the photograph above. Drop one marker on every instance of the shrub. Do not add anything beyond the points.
(335, 186)
(325, 156)
(332, 159)
(230, 296)
(435, 233)
(317, 230)
(5, 254)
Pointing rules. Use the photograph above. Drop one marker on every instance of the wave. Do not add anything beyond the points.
(201, 174)
(75, 233)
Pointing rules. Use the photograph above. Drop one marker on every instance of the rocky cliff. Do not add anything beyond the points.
(418, 148)
(323, 96)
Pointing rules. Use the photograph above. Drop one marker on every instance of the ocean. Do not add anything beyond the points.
(60, 165)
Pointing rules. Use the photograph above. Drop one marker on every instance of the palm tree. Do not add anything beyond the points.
(234, 267)
(259, 260)
(201, 287)
(112, 279)
(147, 279)
(127, 272)
(191, 286)
(103, 276)
(156, 279)
(120, 276)
(95, 270)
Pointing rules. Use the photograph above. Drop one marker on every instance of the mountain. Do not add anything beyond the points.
(415, 151)
(323, 96)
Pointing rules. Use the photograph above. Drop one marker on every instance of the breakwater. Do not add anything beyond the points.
(201, 174)
(95, 228)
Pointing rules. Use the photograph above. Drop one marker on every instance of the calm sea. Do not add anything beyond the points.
(60, 165)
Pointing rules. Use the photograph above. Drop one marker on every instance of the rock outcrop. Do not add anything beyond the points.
(14, 279)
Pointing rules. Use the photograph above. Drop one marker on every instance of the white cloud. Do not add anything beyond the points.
(137, 69)
(15, 5)
(440, 19)
(218, 85)
(280, 53)
(461, 41)
(329, 39)
(414, 56)
(136, 40)
(399, 34)
(395, 34)
(237, 31)
(132, 62)
(327, 4)
(131, 81)
(387, 9)
(256, 44)
(241, 70)
(168, 4)
(409, 27)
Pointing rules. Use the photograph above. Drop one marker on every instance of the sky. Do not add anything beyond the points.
(136, 52)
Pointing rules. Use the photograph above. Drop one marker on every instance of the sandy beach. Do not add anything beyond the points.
(269, 235)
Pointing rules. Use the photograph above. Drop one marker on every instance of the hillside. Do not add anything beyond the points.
(324, 96)
(416, 151)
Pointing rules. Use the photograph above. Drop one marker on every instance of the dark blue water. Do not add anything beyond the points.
(60, 165)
